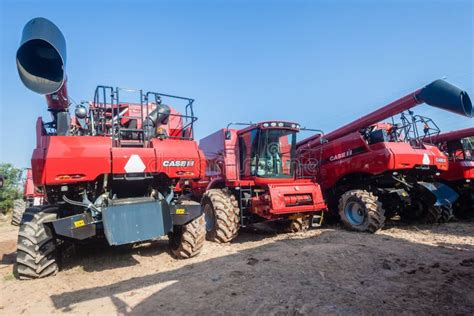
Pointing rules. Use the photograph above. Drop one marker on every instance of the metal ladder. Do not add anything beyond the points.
(118, 131)
(317, 219)
(244, 203)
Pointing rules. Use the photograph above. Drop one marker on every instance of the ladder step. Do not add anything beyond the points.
(130, 117)
(317, 220)
(131, 130)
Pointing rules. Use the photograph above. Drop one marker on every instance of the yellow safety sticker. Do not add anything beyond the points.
(180, 211)
(79, 223)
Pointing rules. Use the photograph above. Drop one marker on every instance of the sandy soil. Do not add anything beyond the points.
(403, 269)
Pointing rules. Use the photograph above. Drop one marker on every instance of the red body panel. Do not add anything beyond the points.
(221, 155)
(29, 187)
(351, 154)
(298, 196)
(459, 170)
(70, 159)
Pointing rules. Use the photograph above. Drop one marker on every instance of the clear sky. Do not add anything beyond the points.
(320, 63)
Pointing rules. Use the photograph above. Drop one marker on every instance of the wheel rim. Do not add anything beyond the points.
(209, 217)
(355, 213)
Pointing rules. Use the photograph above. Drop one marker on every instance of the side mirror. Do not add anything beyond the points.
(227, 134)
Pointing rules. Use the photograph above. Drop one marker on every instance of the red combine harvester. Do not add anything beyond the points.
(32, 196)
(370, 170)
(459, 147)
(116, 169)
(251, 179)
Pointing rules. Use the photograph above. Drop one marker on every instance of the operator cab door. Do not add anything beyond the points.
(248, 143)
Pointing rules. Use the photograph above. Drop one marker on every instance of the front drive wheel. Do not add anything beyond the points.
(361, 211)
(187, 240)
(222, 215)
(36, 247)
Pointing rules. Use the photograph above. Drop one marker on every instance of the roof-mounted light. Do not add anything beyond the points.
(273, 124)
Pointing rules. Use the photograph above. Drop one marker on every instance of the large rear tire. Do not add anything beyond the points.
(438, 214)
(36, 246)
(18, 210)
(447, 213)
(187, 240)
(222, 215)
(361, 211)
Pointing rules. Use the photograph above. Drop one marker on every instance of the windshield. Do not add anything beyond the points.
(468, 149)
(268, 153)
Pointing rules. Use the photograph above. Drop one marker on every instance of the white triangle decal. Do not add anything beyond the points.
(134, 164)
(426, 159)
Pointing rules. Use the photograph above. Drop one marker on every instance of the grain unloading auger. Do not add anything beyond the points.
(115, 169)
(370, 170)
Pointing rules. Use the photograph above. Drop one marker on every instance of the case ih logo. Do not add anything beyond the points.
(341, 155)
(178, 163)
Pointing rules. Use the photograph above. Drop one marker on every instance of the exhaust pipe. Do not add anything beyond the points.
(41, 61)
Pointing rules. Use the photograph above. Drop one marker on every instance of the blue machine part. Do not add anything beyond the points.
(136, 219)
(442, 193)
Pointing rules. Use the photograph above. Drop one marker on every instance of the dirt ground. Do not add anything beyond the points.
(402, 269)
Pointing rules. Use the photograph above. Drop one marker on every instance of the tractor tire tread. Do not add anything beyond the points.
(227, 215)
(18, 210)
(187, 241)
(375, 211)
(36, 250)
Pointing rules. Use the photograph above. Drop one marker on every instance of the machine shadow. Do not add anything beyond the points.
(335, 272)
(86, 256)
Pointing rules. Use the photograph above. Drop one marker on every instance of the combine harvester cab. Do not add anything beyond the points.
(459, 146)
(370, 171)
(251, 179)
(116, 169)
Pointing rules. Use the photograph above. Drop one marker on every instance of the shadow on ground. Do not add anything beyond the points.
(334, 272)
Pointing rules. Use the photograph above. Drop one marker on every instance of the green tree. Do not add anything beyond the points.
(11, 186)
